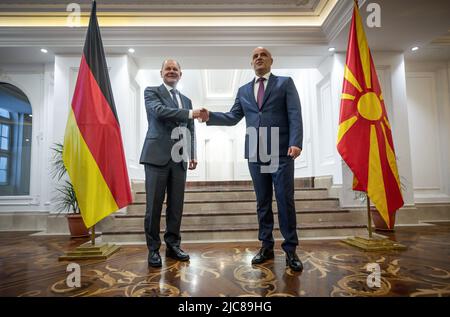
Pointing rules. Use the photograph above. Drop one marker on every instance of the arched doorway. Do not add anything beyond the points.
(15, 141)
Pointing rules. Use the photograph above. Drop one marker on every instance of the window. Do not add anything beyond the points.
(15, 141)
(4, 113)
(4, 137)
(3, 170)
(5, 148)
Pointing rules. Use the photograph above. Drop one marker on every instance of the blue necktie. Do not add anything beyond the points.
(174, 96)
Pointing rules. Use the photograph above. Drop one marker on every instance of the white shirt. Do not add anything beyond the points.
(180, 104)
(256, 86)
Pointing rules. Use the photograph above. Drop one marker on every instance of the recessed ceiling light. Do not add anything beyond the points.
(415, 48)
(131, 50)
(43, 50)
(331, 49)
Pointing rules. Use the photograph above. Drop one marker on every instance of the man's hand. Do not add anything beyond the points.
(192, 164)
(294, 152)
(201, 114)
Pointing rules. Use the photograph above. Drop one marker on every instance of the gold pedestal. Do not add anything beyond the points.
(375, 243)
(88, 251)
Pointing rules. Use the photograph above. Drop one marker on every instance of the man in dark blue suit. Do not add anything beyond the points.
(270, 103)
(169, 142)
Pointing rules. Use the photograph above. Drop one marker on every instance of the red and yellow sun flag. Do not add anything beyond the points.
(93, 151)
(364, 137)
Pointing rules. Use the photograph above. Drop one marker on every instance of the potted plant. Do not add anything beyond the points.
(66, 199)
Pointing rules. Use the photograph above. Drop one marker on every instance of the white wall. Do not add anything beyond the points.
(429, 121)
(132, 121)
(326, 118)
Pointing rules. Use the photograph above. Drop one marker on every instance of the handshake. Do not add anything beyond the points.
(202, 115)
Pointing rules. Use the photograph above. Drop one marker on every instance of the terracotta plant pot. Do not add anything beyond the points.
(76, 226)
(378, 221)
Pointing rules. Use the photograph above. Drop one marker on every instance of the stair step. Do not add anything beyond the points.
(246, 188)
(239, 233)
(250, 217)
(212, 237)
(215, 236)
(241, 227)
(226, 210)
(198, 206)
(299, 183)
(243, 194)
(210, 213)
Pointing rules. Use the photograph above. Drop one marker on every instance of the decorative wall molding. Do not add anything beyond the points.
(326, 151)
(338, 19)
(19, 201)
(303, 7)
(427, 121)
(169, 36)
(170, 13)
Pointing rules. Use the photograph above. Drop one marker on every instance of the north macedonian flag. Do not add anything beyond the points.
(93, 151)
(364, 136)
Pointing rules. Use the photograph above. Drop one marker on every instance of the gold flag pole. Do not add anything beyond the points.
(373, 242)
(90, 250)
(93, 235)
(369, 217)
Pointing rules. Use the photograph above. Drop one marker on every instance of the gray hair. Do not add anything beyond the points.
(165, 61)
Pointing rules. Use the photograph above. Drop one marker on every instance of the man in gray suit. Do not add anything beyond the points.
(170, 140)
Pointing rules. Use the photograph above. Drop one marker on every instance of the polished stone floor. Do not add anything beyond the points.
(29, 266)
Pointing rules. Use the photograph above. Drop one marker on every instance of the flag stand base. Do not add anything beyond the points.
(87, 251)
(90, 250)
(375, 243)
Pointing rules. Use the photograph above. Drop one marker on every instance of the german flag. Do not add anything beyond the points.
(93, 151)
(364, 137)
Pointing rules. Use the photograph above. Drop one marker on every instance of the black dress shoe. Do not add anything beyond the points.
(177, 254)
(263, 255)
(294, 262)
(154, 259)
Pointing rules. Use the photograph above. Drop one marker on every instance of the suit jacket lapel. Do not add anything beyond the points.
(184, 103)
(270, 85)
(167, 97)
(251, 92)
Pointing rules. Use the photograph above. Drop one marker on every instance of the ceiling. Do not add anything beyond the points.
(405, 24)
(168, 5)
(298, 44)
(134, 13)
